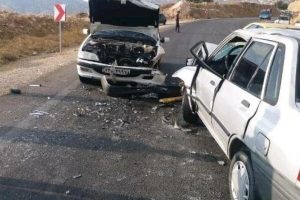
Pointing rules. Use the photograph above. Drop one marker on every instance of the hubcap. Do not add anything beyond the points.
(239, 181)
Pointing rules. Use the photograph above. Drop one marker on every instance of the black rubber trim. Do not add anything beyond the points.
(221, 125)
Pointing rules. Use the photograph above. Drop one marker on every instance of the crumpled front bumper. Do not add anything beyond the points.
(120, 74)
(119, 90)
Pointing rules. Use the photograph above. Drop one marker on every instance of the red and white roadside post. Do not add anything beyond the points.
(60, 16)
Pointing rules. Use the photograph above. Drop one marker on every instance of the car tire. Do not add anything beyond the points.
(187, 112)
(241, 164)
(165, 22)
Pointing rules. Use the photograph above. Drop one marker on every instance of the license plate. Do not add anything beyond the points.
(116, 71)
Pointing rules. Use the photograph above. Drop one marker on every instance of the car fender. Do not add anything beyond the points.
(234, 138)
(186, 74)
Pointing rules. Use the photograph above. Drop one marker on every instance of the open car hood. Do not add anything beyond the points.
(132, 13)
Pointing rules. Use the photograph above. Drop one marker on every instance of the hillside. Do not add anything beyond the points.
(215, 10)
(23, 35)
(42, 6)
(295, 8)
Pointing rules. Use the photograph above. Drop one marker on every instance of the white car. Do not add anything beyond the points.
(247, 93)
(124, 44)
(282, 19)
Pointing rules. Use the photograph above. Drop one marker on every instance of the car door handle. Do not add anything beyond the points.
(212, 83)
(245, 103)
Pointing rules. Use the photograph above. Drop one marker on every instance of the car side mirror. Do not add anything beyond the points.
(165, 39)
(200, 51)
(86, 31)
(190, 62)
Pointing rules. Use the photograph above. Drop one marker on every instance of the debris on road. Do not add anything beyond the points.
(77, 176)
(166, 120)
(155, 108)
(35, 85)
(15, 91)
(221, 162)
(101, 104)
(38, 113)
(170, 100)
(149, 96)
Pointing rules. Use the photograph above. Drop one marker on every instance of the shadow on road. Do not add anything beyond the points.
(77, 141)
(11, 188)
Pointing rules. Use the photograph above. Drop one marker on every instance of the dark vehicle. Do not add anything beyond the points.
(265, 15)
(162, 19)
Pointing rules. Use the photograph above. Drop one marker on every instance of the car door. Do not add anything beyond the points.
(240, 94)
(209, 79)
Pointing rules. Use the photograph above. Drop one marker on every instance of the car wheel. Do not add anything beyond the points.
(165, 23)
(187, 112)
(241, 178)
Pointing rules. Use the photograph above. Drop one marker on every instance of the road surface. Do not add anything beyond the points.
(85, 145)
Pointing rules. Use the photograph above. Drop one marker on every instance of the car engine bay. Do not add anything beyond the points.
(120, 50)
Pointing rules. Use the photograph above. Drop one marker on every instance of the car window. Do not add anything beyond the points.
(250, 71)
(218, 61)
(274, 80)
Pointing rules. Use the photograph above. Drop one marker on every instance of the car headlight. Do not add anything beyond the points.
(88, 56)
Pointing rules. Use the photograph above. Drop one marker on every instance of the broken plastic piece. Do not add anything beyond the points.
(38, 113)
(77, 176)
(35, 85)
(171, 100)
(222, 163)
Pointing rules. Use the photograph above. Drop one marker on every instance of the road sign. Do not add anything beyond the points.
(60, 12)
(60, 16)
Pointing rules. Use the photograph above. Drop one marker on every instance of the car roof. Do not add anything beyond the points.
(271, 25)
(291, 33)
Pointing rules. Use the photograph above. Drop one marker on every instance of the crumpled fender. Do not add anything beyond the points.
(186, 74)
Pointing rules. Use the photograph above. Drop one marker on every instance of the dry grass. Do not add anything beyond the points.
(24, 35)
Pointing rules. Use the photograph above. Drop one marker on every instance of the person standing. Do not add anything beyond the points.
(177, 29)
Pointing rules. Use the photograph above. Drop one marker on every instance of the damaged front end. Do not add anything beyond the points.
(123, 48)
(122, 56)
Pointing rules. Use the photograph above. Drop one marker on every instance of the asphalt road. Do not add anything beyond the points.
(89, 146)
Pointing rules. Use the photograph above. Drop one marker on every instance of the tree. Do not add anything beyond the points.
(282, 5)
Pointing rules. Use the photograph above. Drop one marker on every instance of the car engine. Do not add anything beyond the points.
(121, 53)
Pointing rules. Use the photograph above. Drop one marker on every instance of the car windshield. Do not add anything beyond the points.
(265, 12)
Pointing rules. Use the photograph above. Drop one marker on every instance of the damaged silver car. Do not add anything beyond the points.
(124, 44)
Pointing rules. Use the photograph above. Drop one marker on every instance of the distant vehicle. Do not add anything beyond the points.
(283, 19)
(162, 19)
(256, 25)
(265, 15)
(247, 93)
